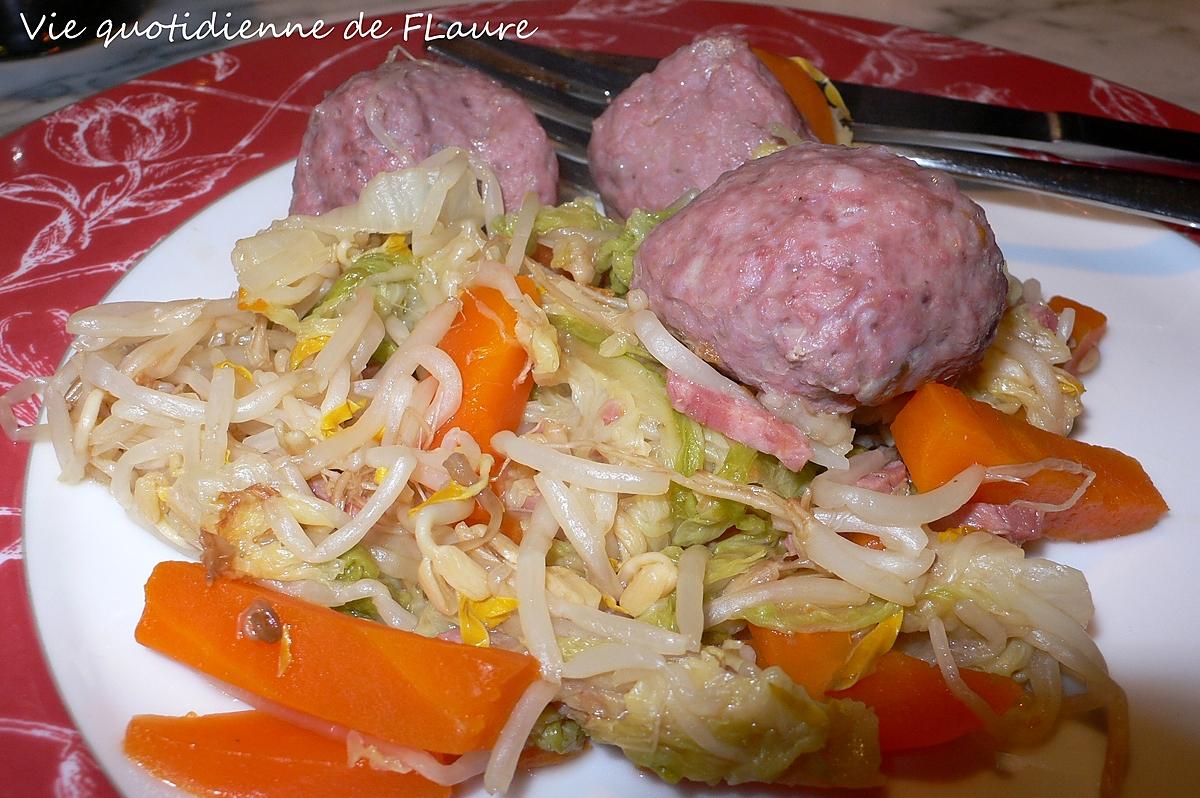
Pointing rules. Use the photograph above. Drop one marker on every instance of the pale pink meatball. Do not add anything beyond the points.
(701, 112)
(399, 114)
(841, 276)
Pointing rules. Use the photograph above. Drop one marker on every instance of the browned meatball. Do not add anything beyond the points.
(842, 276)
(702, 112)
(399, 114)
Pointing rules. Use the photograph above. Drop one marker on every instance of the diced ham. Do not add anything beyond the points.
(743, 420)
(610, 411)
(320, 488)
(1044, 315)
(888, 479)
(1018, 523)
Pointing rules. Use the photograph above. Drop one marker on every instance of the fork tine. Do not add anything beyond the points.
(568, 127)
(596, 82)
(575, 175)
(568, 141)
(593, 81)
(524, 78)
(565, 93)
(570, 145)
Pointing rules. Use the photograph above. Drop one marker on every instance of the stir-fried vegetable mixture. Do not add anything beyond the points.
(455, 428)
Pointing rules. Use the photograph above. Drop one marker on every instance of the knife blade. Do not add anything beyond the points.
(896, 116)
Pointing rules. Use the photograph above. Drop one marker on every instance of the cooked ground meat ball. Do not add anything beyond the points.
(399, 114)
(841, 276)
(702, 112)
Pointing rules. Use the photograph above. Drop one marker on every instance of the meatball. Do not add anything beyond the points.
(399, 114)
(839, 276)
(702, 112)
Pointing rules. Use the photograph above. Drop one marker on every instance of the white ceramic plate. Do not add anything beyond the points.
(87, 561)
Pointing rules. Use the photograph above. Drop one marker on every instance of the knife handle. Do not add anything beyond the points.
(1174, 200)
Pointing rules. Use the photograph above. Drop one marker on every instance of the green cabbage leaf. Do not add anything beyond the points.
(712, 717)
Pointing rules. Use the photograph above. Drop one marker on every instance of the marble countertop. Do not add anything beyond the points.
(1151, 45)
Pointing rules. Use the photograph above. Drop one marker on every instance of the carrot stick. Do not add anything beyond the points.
(804, 93)
(909, 696)
(496, 382)
(509, 524)
(915, 707)
(810, 658)
(1090, 326)
(865, 539)
(254, 754)
(398, 686)
(940, 432)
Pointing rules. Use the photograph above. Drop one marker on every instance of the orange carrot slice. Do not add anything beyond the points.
(1090, 326)
(496, 382)
(804, 92)
(865, 539)
(398, 686)
(941, 431)
(915, 707)
(810, 658)
(255, 754)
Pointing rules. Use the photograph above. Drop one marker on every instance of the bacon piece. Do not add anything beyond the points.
(453, 635)
(610, 411)
(1044, 315)
(320, 488)
(888, 479)
(1018, 523)
(743, 420)
(216, 554)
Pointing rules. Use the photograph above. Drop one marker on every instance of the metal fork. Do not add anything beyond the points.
(567, 93)
(565, 102)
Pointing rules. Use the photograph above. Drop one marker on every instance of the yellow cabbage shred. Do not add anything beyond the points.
(306, 348)
(332, 421)
(612, 604)
(240, 370)
(837, 105)
(285, 651)
(952, 534)
(873, 645)
(475, 618)
(396, 244)
(454, 492)
(283, 316)
(451, 493)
